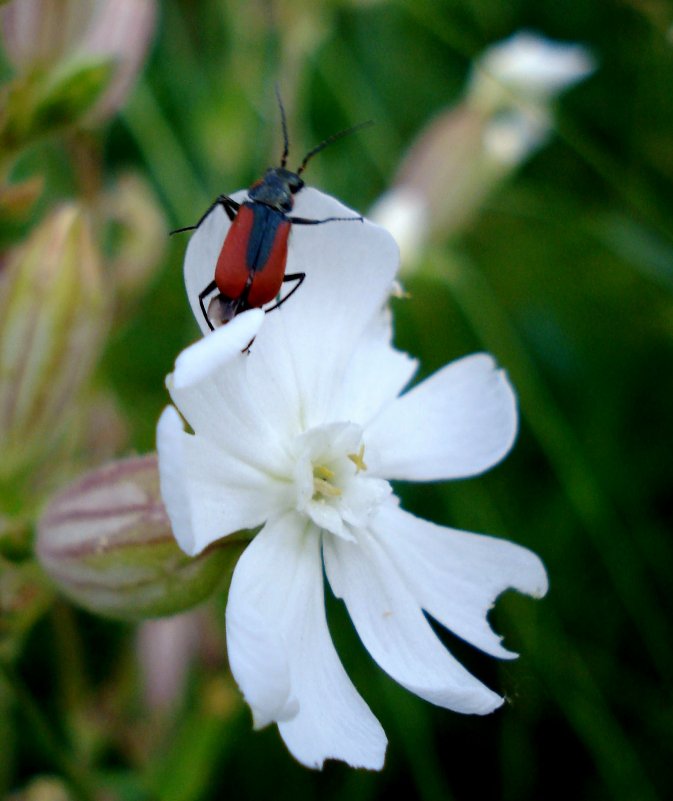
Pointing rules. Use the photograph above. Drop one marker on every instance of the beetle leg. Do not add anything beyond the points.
(230, 206)
(299, 278)
(202, 295)
(304, 221)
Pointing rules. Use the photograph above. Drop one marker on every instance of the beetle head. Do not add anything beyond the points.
(276, 189)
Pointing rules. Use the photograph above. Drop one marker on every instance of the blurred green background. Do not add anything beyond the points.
(565, 275)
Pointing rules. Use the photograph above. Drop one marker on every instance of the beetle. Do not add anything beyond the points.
(250, 268)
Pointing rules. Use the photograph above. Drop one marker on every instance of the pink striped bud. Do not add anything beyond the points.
(107, 543)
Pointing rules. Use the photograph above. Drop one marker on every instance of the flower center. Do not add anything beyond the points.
(330, 482)
(322, 486)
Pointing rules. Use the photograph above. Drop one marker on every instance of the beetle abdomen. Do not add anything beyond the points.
(231, 271)
(268, 278)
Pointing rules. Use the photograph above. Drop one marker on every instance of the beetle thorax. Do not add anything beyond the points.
(276, 189)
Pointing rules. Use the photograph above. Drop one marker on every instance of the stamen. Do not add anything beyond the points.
(322, 483)
(322, 487)
(358, 459)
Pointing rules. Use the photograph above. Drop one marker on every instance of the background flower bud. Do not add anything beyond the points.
(52, 318)
(121, 30)
(47, 37)
(37, 33)
(138, 234)
(468, 150)
(107, 543)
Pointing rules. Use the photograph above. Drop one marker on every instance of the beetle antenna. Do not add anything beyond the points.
(283, 121)
(329, 141)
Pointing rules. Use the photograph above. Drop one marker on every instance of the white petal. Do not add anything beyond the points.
(258, 657)
(170, 437)
(208, 492)
(210, 388)
(394, 630)
(375, 375)
(535, 67)
(304, 347)
(279, 576)
(208, 356)
(202, 254)
(457, 423)
(456, 576)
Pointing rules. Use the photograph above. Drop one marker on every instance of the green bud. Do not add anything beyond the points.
(107, 543)
(52, 318)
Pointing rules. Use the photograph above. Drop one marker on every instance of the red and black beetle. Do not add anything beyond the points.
(250, 269)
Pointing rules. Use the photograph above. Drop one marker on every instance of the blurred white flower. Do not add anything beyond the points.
(514, 83)
(532, 66)
(301, 437)
(469, 149)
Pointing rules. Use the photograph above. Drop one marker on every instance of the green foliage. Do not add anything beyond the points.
(566, 276)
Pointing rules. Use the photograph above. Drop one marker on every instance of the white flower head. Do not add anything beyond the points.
(535, 67)
(514, 83)
(301, 437)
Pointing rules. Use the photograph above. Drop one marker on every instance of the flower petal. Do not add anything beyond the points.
(210, 387)
(208, 492)
(455, 575)
(258, 658)
(170, 439)
(375, 374)
(394, 630)
(208, 356)
(279, 576)
(457, 423)
(305, 346)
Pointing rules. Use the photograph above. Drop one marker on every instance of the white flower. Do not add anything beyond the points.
(535, 67)
(471, 147)
(514, 83)
(301, 436)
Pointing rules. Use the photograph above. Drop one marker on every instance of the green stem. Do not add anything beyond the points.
(82, 784)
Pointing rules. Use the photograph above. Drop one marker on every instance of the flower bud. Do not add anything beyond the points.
(38, 33)
(107, 543)
(138, 234)
(52, 318)
(468, 150)
(41, 35)
(122, 31)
